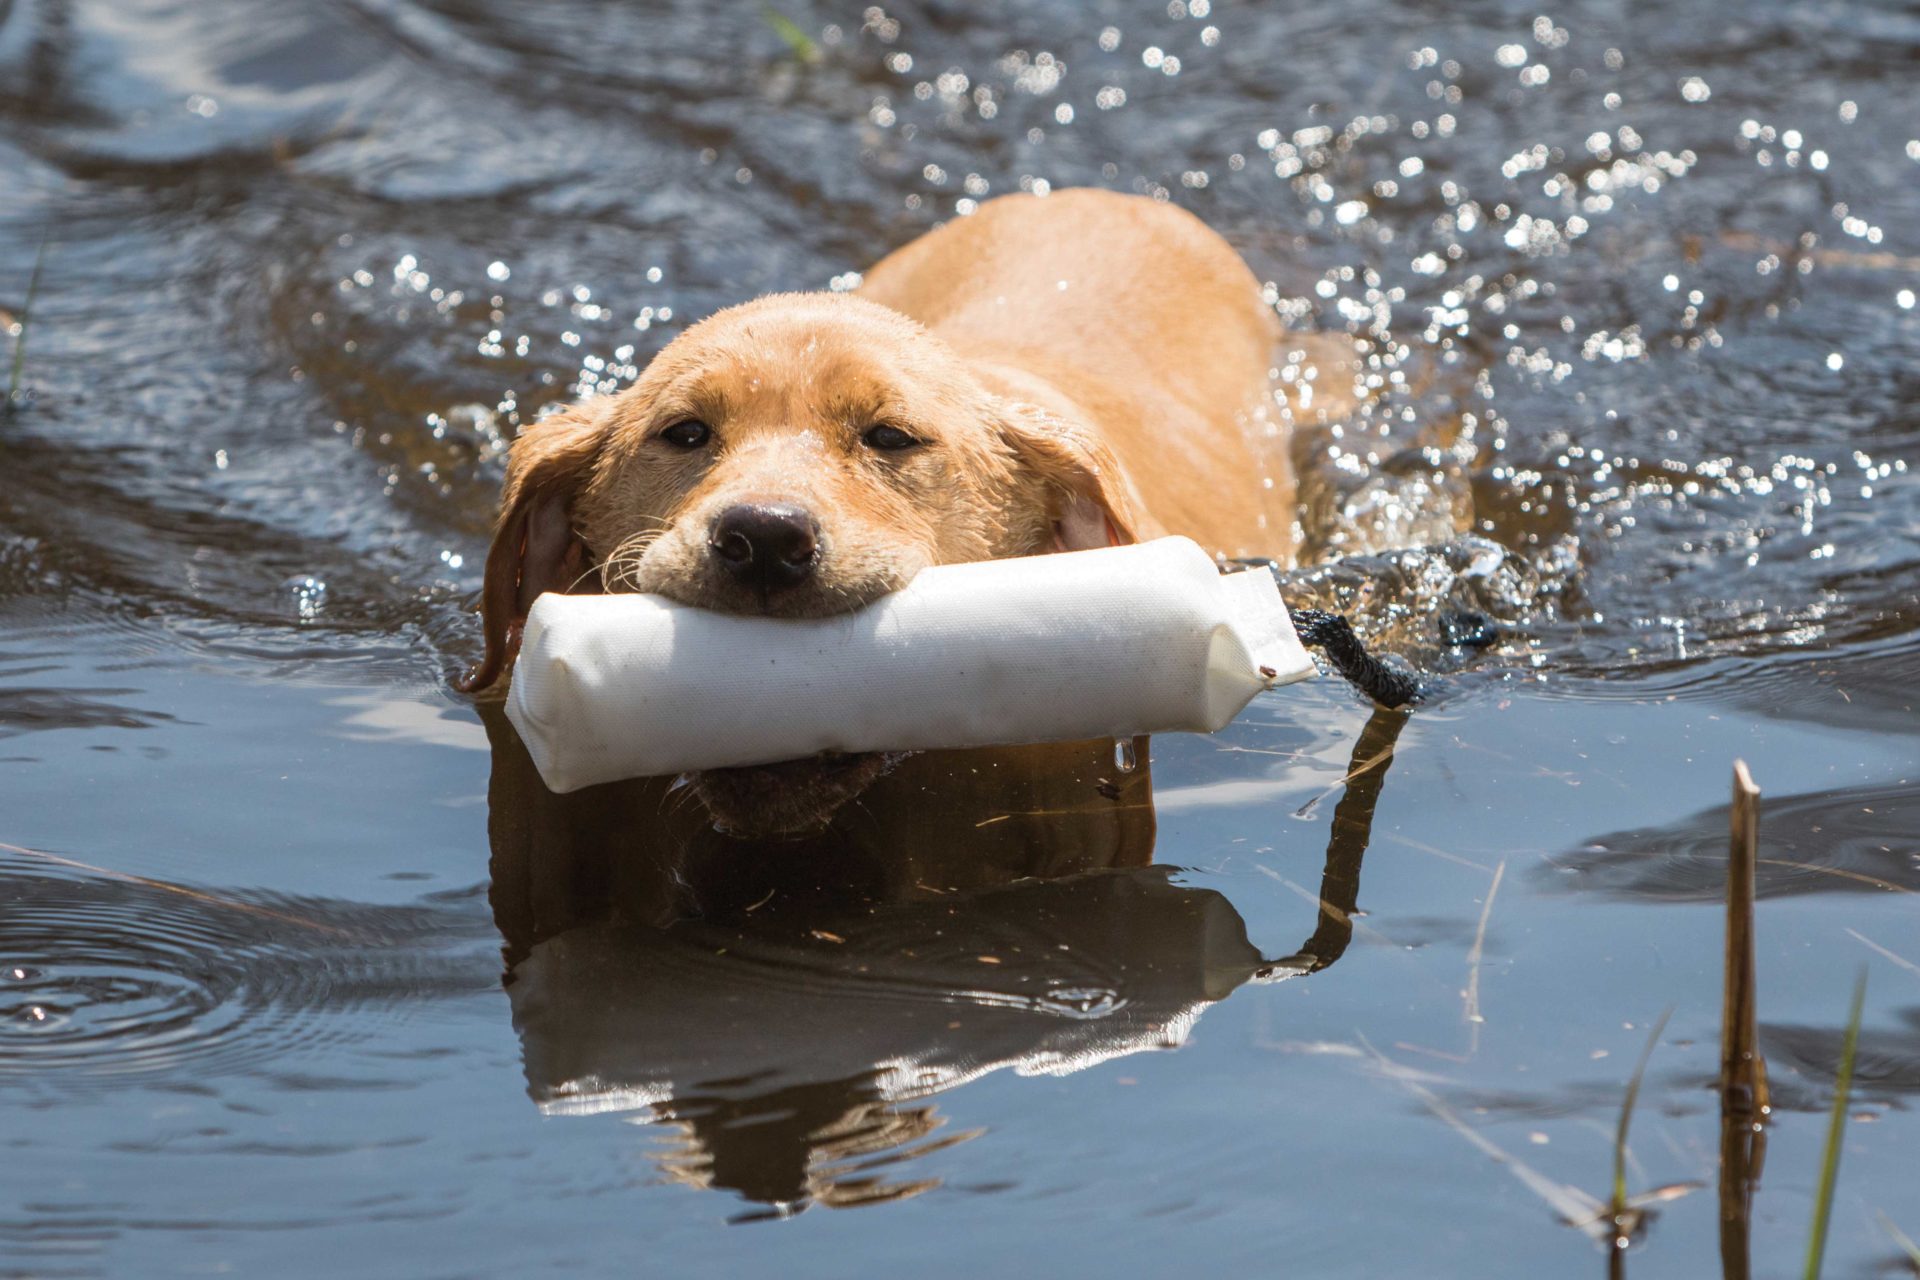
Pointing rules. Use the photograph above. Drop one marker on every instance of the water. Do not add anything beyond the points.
(300, 974)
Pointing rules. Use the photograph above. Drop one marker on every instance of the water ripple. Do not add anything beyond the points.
(103, 978)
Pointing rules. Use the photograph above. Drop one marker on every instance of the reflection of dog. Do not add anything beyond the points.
(1046, 374)
(791, 1008)
(786, 1059)
(941, 824)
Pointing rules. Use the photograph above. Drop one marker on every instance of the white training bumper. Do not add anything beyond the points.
(1114, 642)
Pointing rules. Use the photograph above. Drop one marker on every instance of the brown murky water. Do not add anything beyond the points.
(1638, 290)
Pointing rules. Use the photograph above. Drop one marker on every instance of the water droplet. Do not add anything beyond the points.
(1123, 755)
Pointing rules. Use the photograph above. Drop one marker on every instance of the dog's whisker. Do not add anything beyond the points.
(621, 569)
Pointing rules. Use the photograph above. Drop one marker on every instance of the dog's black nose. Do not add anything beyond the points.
(767, 546)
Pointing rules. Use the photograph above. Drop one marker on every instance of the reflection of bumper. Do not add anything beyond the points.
(593, 1096)
(1044, 978)
(901, 1080)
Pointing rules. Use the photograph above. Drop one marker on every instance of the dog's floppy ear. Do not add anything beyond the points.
(534, 546)
(1092, 502)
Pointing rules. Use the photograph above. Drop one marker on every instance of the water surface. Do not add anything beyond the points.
(302, 974)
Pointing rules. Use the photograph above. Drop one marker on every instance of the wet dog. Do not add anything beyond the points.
(1054, 373)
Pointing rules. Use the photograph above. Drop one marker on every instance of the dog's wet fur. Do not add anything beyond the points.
(1048, 374)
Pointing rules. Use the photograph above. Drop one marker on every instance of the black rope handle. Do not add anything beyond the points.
(1333, 635)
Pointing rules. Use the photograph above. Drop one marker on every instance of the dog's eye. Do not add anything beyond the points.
(687, 435)
(887, 437)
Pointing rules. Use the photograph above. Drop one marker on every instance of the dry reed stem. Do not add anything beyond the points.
(1900, 960)
(1470, 998)
(1743, 1072)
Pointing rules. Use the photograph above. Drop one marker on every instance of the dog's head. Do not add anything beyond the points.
(797, 456)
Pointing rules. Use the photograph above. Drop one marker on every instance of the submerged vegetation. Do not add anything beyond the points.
(1743, 1089)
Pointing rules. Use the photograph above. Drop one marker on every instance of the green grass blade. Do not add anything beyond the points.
(1626, 1117)
(26, 313)
(1836, 1126)
(788, 30)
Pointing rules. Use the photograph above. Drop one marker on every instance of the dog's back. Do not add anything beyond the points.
(1141, 319)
